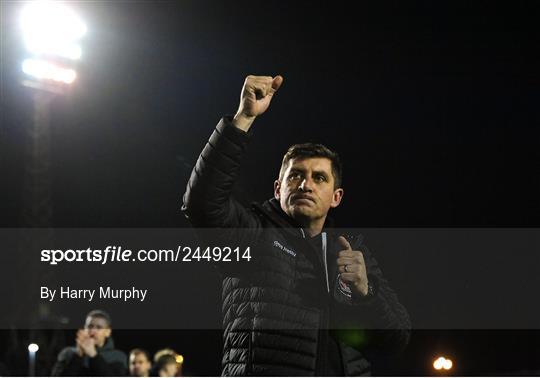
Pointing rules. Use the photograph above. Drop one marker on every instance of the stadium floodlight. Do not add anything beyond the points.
(51, 28)
(51, 33)
(42, 69)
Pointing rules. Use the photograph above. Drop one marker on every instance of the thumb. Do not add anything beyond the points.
(344, 243)
(276, 82)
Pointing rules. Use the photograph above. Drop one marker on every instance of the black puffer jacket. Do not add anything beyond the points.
(286, 311)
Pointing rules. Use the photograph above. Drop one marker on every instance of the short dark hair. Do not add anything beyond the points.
(313, 150)
(165, 360)
(141, 351)
(100, 314)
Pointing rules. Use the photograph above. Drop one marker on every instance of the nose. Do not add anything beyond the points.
(305, 186)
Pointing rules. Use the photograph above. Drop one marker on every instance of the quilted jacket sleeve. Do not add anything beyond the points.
(207, 202)
(68, 364)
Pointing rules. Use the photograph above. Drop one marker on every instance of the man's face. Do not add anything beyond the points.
(139, 366)
(98, 329)
(169, 370)
(306, 190)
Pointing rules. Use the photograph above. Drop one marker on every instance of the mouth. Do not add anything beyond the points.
(302, 198)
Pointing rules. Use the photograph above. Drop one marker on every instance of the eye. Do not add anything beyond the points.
(320, 178)
(294, 175)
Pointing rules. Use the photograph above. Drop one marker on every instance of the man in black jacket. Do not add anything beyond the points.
(293, 308)
(94, 354)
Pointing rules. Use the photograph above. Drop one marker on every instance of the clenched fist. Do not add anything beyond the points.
(352, 267)
(255, 98)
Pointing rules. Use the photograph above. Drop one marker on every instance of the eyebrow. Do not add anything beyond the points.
(320, 173)
(301, 170)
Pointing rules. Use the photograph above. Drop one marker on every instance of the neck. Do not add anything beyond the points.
(314, 227)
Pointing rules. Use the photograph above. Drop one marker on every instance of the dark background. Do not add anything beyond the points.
(433, 107)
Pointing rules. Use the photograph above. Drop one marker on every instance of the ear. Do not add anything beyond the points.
(336, 199)
(108, 332)
(277, 187)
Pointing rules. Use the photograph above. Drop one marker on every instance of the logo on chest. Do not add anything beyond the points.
(280, 246)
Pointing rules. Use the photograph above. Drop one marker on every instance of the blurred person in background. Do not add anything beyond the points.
(139, 363)
(93, 353)
(167, 363)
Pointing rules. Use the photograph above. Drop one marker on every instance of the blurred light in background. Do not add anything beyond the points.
(51, 33)
(53, 29)
(442, 363)
(447, 364)
(179, 359)
(42, 69)
(32, 349)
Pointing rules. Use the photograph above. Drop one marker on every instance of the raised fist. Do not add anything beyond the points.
(255, 98)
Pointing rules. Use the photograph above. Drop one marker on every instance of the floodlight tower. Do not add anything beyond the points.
(51, 33)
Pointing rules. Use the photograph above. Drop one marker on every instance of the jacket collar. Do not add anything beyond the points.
(109, 344)
(272, 209)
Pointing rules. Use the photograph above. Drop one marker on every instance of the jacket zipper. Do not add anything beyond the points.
(324, 331)
(320, 367)
(325, 261)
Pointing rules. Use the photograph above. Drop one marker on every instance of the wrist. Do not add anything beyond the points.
(91, 353)
(367, 291)
(242, 121)
(361, 300)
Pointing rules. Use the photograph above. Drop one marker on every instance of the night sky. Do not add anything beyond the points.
(433, 107)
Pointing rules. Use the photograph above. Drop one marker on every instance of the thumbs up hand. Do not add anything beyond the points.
(352, 267)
